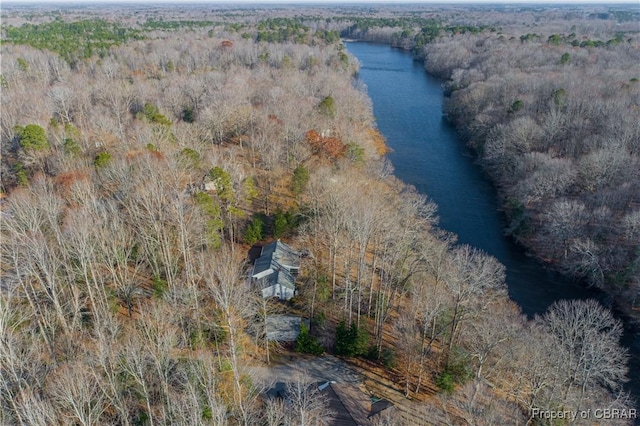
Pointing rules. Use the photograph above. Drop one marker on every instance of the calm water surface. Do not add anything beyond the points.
(407, 104)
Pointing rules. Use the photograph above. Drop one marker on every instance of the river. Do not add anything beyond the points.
(407, 105)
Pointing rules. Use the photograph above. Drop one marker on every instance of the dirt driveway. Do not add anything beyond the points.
(330, 368)
(321, 368)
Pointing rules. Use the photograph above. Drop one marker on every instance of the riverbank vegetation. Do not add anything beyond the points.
(554, 119)
(135, 180)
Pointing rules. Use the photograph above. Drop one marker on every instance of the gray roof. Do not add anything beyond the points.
(279, 276)
(283, 328)
(275, 265)
(281, 253)
(347, 404)
(262, 264)
(351, 406)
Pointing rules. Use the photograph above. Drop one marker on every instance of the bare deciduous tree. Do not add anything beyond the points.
(78, 394)
(309, 406)
(224, 280)
(587, 349)
(475, 275)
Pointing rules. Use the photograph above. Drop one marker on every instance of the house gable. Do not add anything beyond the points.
(274, 270)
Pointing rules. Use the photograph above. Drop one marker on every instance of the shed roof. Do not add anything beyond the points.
(283, 328)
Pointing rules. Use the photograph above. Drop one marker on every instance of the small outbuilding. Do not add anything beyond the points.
(284, 328)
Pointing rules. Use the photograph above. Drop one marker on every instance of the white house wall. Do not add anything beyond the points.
(278, 291)
(263, 274)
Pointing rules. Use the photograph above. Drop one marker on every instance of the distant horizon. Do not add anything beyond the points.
(319, 2)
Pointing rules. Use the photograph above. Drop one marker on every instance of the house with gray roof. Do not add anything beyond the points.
(346, 404)
(275, 270)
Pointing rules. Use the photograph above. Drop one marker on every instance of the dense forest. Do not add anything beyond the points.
(145, 151)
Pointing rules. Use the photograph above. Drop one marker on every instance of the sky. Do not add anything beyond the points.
(213, 2)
